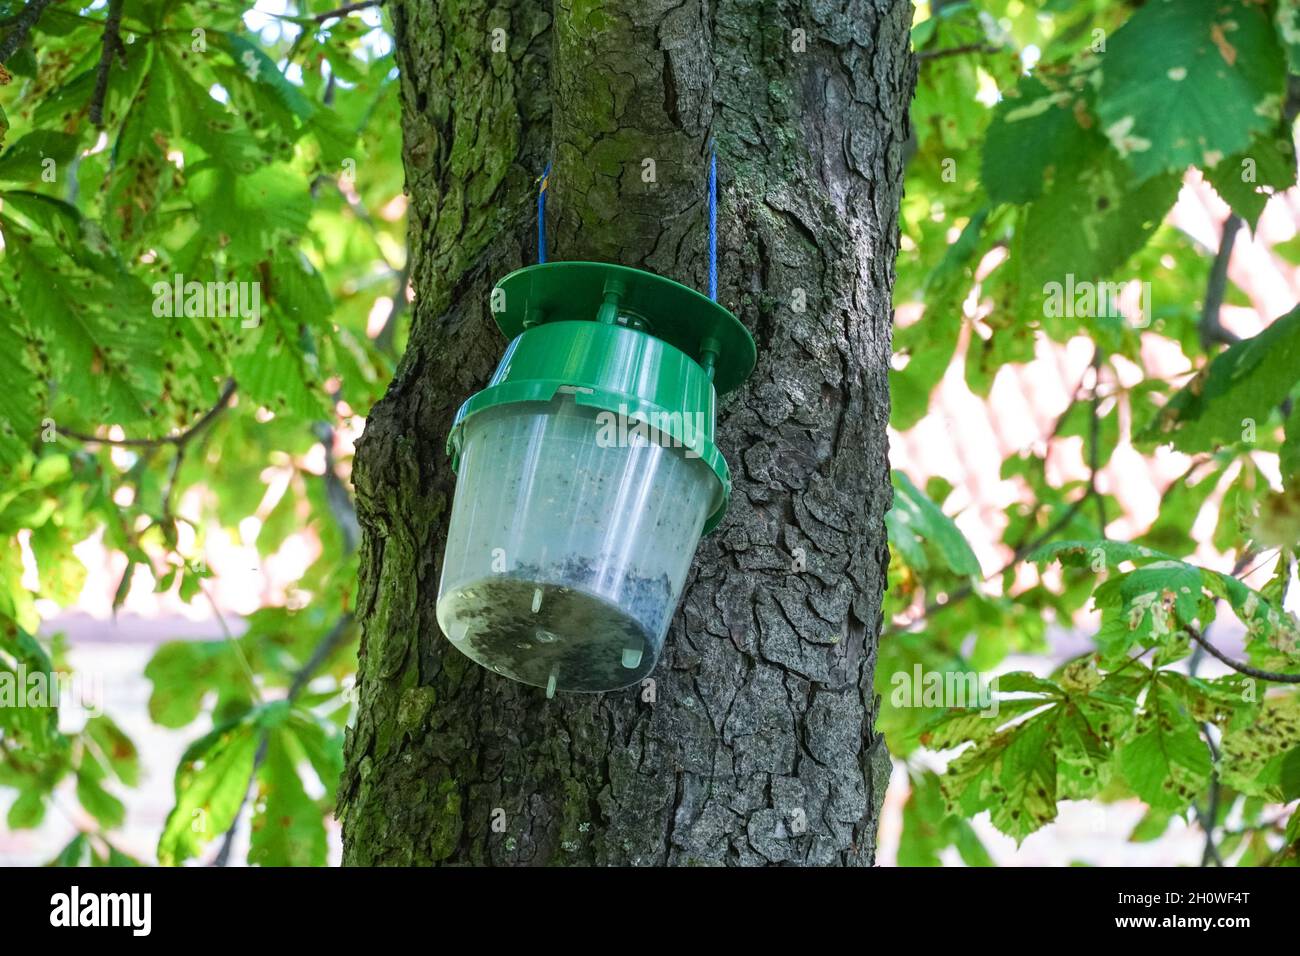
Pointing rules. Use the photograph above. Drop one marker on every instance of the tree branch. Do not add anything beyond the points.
(340, 503)
(1027, 545)
(223, 855)
(343, 11)
(180, 440)
(344, 513)
(112, 44)
(1094, 442)
(1210, 817)
(957, 51)
(1274, 676)
(22, 25)
(1211, 329)
(385, 338)
(966, 590)
(324, 651)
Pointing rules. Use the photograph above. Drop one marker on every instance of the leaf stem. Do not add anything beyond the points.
(1274, 676)
(112, 44)
(180, 439)
(957, 51)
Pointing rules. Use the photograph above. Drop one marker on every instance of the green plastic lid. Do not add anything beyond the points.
(639, 346)
(668, 310)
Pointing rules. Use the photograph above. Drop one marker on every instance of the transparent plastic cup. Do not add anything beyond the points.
(565, 559)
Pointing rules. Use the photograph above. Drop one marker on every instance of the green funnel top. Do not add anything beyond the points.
(613, 294)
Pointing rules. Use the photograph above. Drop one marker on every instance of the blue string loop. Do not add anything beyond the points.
(543, 182)
(713, 225)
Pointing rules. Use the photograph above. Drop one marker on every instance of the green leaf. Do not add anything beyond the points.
(1013, 774)
(956, 725)
(1157, 597)
(1189, 83)
(1097, 554)
(33, 728)
(1077, 422)
(1228, 701)
(62, 574)
(115, 747)
(27, 811)
(183, 672)
(287, 828)
(1180, 506)
(251, 213)
(25, 160)
(1290, 775)
(76, 853)
(914, 515)
(1024, 799)
(1151, 827)
(299, 292)
(930, 342)
(21, 398)
(946, 109)
(322, 744)
(1110, 217)
(1287, 20)
(1289, 456)
(1266, 623)
(1248, 180)
(98, 802)
(1083, 755)
(211, 781)
(928, 828)
(1167, 763)
(270, 94)
(141, 173)
(1242, 385)
(1037, 131)
(197, 117)
(105, 348)
(276, 369)
(1253, 757)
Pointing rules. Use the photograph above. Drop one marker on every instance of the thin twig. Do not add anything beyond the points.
(1211, 328)
(1026, 546)
(1094, 442)
(343, 11)
(179, 439)
(112, 43)
(169, 489)
(22, 25)
(385, 338)
(340, 503)
(965, 591)
(957, 51)
(1268, 556)
(233, 642)
(1274, 676)
(223, 855)
(345, 514)
(323, 652)
(1211, 813)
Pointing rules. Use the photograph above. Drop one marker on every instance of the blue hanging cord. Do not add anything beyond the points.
(541, 213)
(713, 225)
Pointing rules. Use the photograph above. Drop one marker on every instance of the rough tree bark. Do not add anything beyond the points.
(758, 746)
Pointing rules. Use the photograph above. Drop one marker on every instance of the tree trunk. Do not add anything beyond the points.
(755, 742)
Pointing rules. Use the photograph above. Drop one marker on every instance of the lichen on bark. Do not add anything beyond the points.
(757, 744)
